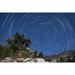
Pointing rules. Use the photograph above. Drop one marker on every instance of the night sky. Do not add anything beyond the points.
(51, 33)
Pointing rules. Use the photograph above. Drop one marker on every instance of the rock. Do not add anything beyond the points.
(34, 60)
(20, 59)
(53, 60)
(8, 59)
(29, 60)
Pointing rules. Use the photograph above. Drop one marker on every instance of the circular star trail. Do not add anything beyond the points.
(50, 33)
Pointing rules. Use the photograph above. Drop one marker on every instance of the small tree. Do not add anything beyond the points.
(0, 46)
(35, 54)
(1, 51)
(61, 59)
(40, 55)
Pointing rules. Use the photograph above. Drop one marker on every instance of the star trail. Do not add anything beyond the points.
(50, 33)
